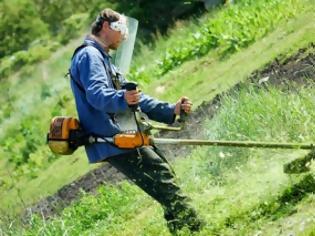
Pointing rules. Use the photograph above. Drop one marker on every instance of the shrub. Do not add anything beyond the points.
(18, 18)
(72, 27)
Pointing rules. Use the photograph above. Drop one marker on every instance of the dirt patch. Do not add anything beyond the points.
(299, 68)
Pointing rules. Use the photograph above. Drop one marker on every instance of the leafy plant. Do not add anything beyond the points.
(236, 27)
(18, 19)
(72, 26)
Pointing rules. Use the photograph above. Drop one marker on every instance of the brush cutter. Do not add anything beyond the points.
(137, 139)
(66, 136)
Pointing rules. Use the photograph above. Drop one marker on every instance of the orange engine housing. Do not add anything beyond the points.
(59, 133)
(132, 140)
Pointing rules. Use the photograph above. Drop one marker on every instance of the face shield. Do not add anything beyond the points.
(122, 57)
(120, 26)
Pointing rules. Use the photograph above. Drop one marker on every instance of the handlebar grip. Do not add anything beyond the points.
(183, 115)
(129, 86)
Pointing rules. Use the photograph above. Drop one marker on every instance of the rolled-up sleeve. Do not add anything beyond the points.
(96, 83)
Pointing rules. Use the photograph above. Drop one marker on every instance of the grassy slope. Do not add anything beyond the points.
(242, 196)
(50, 180)
(248, 199)
(258, 182)
(247, 194)
(205, 78)
(208, 76)
(255, 181)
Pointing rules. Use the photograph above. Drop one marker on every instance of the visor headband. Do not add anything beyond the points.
(121, 26)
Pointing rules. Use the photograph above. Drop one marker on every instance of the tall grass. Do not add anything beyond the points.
(268, 114)
(271, 115)
(231, 29)
(41, 92)
(24, 103)
(235, 197)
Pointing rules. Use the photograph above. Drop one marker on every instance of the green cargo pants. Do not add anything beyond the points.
(148, 168)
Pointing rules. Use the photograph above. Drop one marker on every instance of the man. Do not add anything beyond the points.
(100, 101)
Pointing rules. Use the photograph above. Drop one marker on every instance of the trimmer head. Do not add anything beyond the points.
(300, 165)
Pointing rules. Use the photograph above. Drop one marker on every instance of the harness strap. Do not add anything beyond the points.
(108, 70)
(79, 138)
(112, 75)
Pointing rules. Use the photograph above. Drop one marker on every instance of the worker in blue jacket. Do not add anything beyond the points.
(100, 98)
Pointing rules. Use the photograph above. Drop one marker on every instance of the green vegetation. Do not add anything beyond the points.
(27, 163)
(218, 179)
(238, 191)
(19, 16)
(110, 203)
(287, 116)
(23, 44)
(228, 31)
(291, 120)
(236, 27)
(50, 92)
(208, 76)
(57, 22)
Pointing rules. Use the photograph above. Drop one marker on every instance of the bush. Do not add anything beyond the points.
(72, 26)
(37, 53)
(18, 18)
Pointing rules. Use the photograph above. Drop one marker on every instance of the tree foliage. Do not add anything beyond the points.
(32, 29)
(19, 26)
(54, 12)
(154, 15)
(25, 21)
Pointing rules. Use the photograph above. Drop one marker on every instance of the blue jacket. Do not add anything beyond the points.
(97, 100)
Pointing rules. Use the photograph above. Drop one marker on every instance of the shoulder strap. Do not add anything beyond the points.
(78, 48)
(108, 68)
(69, 71)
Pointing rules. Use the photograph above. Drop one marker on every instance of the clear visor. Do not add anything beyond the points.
(120, 26)
(123, 55)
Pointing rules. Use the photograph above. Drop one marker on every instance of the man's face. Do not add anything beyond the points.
(115, 39)
(116, 32)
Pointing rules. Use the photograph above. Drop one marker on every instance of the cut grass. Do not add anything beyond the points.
(240, 199)
(203, 79)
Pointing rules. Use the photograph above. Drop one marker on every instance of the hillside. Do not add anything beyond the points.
(237, 191)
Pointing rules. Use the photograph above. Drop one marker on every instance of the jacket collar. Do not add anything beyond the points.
(90, 40)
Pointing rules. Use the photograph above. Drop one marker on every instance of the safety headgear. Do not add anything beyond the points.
(120, 26)
(123, 55)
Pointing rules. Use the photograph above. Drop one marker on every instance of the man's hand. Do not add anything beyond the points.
(183, 104)
(132, 97)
